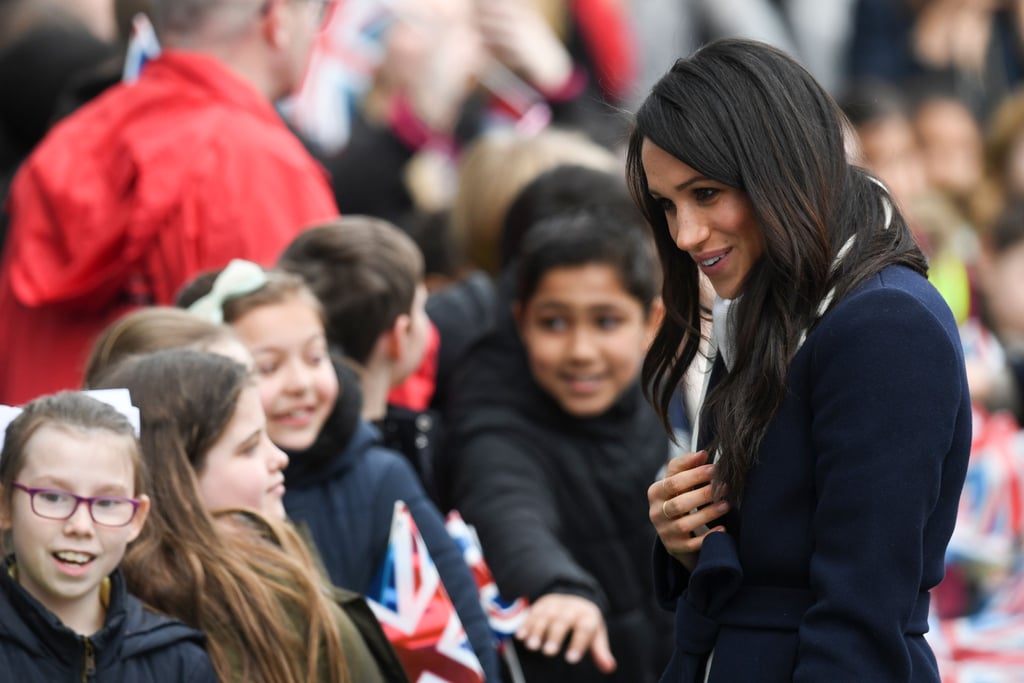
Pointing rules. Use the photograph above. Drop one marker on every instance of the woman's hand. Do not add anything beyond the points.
(553, 617)
(681, 508)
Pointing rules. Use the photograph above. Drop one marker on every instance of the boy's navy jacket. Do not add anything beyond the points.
(344, 490)
(825, 569)
(135, 645)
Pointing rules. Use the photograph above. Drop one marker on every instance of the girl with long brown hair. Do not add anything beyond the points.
(217, 553)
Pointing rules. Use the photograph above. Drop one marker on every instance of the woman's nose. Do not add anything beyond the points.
(689, 232)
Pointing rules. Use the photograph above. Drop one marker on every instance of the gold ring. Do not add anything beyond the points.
(664, 510)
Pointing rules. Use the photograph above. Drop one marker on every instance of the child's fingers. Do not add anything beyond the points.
(585, 628)
(602, 652)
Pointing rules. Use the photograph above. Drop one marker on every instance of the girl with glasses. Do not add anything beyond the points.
(70, 503)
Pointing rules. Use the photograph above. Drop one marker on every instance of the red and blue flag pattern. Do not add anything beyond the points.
(415, 612)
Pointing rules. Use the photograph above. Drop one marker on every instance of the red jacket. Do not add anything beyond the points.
(133, 195)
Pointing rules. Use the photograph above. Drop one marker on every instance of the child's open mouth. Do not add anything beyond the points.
(73, 560)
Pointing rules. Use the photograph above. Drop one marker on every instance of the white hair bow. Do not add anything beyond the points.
(239, 278)
(119, 399)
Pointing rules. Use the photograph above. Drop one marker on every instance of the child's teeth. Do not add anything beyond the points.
(75, 558)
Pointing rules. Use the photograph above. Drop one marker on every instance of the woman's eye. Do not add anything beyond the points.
(608, 322)
(666, 205)
(703, 194)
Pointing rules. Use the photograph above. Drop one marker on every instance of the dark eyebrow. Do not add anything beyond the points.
(696, 179)
(682, 186)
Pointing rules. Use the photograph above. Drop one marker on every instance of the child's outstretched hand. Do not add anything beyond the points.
(681, 506)
(553, 617)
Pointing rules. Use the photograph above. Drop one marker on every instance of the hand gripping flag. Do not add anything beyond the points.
(417, 615)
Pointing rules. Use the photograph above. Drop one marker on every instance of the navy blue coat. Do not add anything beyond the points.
(344, 490)
(824, 572)
(134, 645)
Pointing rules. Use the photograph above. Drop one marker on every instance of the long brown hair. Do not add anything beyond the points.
(747, 115)
(262, 604)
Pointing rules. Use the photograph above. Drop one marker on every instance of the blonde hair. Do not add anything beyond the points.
(493, 171)
(1004, 129)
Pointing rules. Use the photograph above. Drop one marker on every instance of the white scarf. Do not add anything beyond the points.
(724, 328)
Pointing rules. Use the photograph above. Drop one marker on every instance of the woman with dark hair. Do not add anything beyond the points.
(834, 434)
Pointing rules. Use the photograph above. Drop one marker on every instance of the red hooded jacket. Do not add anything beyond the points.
(132, 196)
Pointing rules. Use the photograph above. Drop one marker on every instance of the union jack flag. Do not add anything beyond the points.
(347, 53)
(143, 46)
(417, 615)
(504, 616)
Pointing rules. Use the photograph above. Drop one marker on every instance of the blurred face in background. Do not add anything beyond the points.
(1002, 280)
(951, 146)
(889, 149)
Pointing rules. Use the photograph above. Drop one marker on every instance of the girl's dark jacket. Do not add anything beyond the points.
(135, 645)
(343, 489)
(560, 503)
(824, 571)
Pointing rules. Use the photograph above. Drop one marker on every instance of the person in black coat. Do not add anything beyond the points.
(553, 447)
(800, 537)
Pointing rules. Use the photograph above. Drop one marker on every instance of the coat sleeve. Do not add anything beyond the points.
(888, 399)
(451, 566)
(505, 493)
(199, 669)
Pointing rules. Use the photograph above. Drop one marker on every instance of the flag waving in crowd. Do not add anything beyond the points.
(417, 615)
(504, 616)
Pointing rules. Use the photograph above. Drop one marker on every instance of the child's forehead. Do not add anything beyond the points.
(79, 454)
(582, 282)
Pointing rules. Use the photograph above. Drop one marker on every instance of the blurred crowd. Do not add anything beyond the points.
(463, 124)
